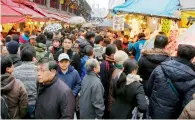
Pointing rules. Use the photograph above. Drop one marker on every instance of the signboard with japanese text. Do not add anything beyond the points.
(118, 22)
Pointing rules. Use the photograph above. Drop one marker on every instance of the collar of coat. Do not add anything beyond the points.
(132, 78)
(154, 51)
(94, 74)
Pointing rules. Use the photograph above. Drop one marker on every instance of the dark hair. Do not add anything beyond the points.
(52, 65)
(98, 39)
(118, 44)
(6, 62)
(186, 51)
(162, 33)
(67, 39)
(160, 41)
(110, 49)
(89, 35)
(16, 37)
(126, 36)
(89, 50)
(141, 35)
(107, 41)
(56, 39)
(8, 38)
(41, 39)
(27, 53)
(49, 35)
(129, 65)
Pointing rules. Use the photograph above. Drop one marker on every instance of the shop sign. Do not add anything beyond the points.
(118, 22)
(187, 18)
(53, 27)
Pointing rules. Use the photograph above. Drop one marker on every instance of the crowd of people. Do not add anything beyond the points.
(95, 74)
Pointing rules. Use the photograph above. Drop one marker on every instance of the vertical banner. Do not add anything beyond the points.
(187, 18)
(118, 22)
(166, 26)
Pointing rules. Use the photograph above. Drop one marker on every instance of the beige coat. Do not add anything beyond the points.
(16, 95)
(189, 110)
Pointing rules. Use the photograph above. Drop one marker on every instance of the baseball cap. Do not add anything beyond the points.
(63, 56)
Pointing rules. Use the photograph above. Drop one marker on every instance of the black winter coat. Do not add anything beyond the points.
(149, 61)
(131, 95)
(75, 58)
(16, 60)
(55, 101)
(83, 45)
(164, 101)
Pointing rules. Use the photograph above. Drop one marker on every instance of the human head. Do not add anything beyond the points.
(12, 47)
(64, 61)
(141, 36)
(28, 54)
(186, 51)
(92, 65)
(90, 36)
(6, 64)
(67, 44)
(56, 42)
(126, 39)
(119, 57)
(32, 40)
(118, 44)
(110, 51)
(107, 42)
(130, 66)
(99, 40)
(16, 37)
(46, 70)
(49, 35)
(162, 33)
(89, 51)
(8, 39)
(41, 39)
(160, 41)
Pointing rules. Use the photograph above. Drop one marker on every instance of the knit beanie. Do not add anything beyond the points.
(120, 56)
(12, 47)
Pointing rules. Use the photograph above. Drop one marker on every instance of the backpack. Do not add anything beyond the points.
(4, 107)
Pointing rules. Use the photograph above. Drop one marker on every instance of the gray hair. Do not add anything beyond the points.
(91, 64)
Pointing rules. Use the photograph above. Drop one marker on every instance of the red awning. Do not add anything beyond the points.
(36, 16)
(8, 15)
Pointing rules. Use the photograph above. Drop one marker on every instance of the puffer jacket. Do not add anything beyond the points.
(41, 51)
(165, 101)
(16, 59)
(82, 46)
(149, 61)
(189, 110)
(98, 52)
(16, 94)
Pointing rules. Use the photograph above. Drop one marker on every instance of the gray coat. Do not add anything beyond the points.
(27, 74)
(91, 100)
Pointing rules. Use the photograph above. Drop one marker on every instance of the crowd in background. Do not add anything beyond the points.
(95, 73)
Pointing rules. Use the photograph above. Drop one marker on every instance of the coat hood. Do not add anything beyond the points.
(132, 78)
(15, 57)
(7, 82)
(40, 47)
(70, 69)
(155, 55)
(84, 43)
(181, 74)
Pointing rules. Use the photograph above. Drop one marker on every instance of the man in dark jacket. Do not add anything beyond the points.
(89, 41)
(152, 58)
(75, 59)
(106, 70)
(172, 85)
(12, 48)
(68, 74)
(92, 91)
(55, 98)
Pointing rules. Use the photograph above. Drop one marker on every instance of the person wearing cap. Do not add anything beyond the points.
(12, 48)
(55, 99)
(32, 40)
(68, 74)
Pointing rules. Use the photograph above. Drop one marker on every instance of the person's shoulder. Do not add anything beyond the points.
(62, 86)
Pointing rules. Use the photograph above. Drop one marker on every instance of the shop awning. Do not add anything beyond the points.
(161, 8)
(8, 15)
(25, 10)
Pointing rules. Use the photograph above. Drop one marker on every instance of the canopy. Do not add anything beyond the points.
(161, 8)
(8, 15)
(188, 36)
(109, 23)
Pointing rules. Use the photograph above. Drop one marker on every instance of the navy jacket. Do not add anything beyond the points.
(164, 101)
(72, 79)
